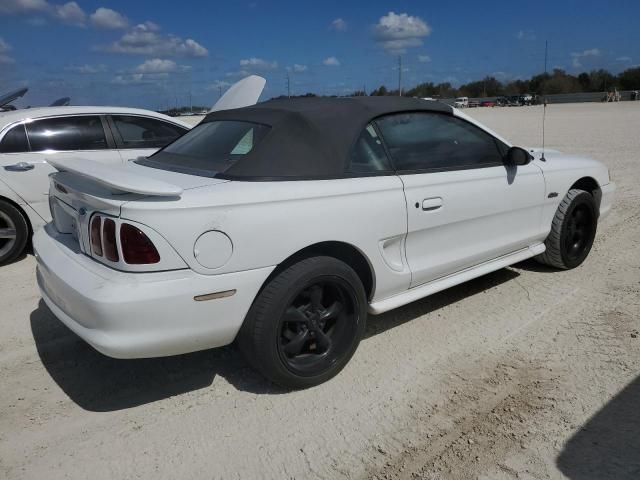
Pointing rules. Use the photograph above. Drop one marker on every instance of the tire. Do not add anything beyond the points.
(573, 230)
(14, 232)
(306, 323)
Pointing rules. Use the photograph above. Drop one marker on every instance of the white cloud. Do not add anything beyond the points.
(15, 7)
(136, 78)
(258, 64)
(623, 59)
(339, 25)
(157, 65)
(578, 56)
(424, 58)
(5, 48)
(526, 35)
(397, 32)
(86, 68)
(218, 84)
(297, 68)
(331, 62)
(71, 14)
(144, 39)
(107, 18)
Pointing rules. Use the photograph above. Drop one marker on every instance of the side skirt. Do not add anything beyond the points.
(421, 291)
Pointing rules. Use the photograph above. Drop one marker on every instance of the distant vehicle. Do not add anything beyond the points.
(31, 137)
(502, 101)
(526, 99)
(109, 135)
(248, 227)
(461, 102)
(488, 103)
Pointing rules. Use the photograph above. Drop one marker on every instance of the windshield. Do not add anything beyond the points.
(209, 148)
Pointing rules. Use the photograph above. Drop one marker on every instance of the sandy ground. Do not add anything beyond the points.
(524, 373)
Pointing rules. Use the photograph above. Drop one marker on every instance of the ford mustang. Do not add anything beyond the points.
(283, 225)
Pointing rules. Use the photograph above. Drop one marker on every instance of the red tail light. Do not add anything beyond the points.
(109, 240)
(136, 246)
(96, 238)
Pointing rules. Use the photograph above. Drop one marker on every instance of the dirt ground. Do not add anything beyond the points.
(525, 373)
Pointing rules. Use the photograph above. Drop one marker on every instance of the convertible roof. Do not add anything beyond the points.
(311, 137)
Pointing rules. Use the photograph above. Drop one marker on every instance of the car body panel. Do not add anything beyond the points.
(484, 213)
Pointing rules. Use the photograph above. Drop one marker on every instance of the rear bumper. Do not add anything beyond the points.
(138, 315)
(608, 193)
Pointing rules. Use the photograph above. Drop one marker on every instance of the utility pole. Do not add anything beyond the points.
(400, 75)
(288, 86)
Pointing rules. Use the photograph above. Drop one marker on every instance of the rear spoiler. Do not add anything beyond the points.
(120, 178)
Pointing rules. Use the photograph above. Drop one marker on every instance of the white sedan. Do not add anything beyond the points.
(31, 137)
(284, 224)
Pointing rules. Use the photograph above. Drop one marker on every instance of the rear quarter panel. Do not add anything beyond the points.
(269, 221)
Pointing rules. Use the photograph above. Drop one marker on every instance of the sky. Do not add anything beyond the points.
(155, 54)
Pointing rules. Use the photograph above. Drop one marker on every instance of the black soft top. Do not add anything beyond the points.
(311, 137)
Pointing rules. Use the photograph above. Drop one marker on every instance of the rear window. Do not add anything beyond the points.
(209, 148)
(15, 141)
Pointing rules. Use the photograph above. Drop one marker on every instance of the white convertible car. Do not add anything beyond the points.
(282, 225)
(31, 137)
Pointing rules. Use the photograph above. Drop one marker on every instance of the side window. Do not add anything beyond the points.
(143, 132)
(67, 133)
(368, 154)
(15, 141)
(423, 141)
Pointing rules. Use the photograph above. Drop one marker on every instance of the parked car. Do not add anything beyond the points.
(461, 102)
(284, 224)
(29, 138)
(526, 99)
(488, 103)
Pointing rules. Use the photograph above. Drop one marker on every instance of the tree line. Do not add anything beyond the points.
(559, 81)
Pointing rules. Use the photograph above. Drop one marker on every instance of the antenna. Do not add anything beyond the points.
(400, 75)
(288, 86)
(544, 108)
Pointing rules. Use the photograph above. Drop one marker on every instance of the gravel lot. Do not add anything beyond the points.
(524, 373)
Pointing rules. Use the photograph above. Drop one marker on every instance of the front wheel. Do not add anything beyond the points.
(306, 323)
(573, 230)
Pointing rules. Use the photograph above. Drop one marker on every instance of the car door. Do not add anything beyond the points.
(465, 206)
(140, 136)
(76, 136)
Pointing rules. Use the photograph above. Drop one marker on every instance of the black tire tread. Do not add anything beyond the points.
(552, 256)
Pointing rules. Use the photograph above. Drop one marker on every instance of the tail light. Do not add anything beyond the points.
(96, 238)
(109, 240)
(136, 246)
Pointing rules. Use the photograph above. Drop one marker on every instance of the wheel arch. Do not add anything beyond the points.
(589, 184)
(342, 251)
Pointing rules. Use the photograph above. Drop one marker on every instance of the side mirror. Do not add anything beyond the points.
(518, 156)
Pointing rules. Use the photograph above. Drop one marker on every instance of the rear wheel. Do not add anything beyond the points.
(572, 231)
(306, 323)
(14, 232)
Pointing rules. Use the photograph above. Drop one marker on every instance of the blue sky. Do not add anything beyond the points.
(152, 53)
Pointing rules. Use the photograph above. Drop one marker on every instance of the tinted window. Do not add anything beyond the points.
(15, 141)
(368, 154)
(142, 132)
(419, 141)
(67, 133)
(209, 148)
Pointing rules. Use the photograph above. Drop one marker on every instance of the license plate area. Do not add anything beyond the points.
(65, 218)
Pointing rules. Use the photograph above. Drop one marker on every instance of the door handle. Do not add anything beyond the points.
(429, 204)
(19, 167)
